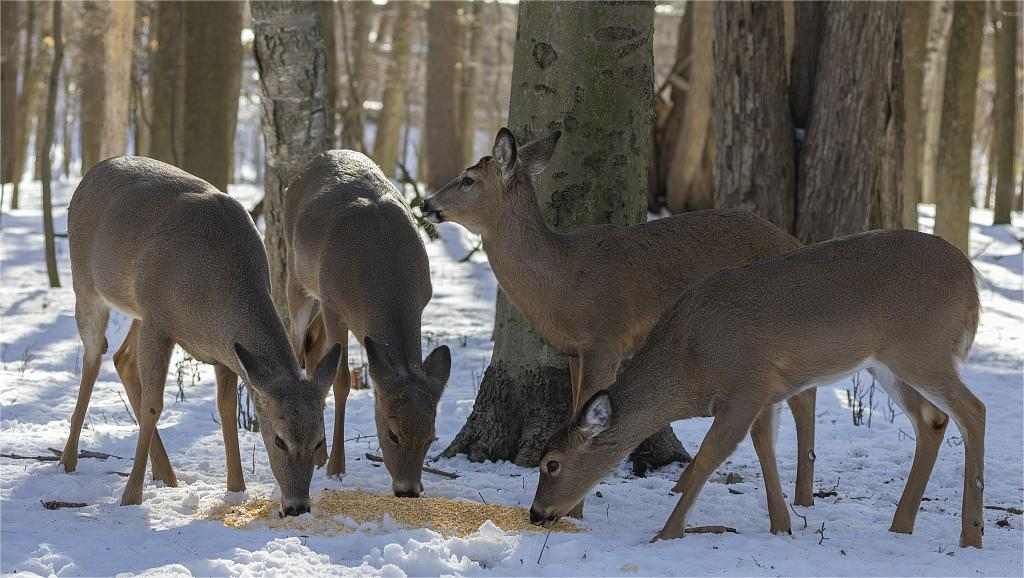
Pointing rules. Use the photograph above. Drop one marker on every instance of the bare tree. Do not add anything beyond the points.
(292, 64)
(356, 50)
(10, 30)
(47, 147)
(953, 198)
(470, 79)
(30, 74)
(442, 136)
(167, 84)
(916, 16)
(389, 124)
(1005, 112)
(37, 108)
(105, 79)
(213, 57)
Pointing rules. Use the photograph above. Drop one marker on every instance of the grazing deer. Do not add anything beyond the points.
(603, 286)
(357, 263)
(186, 262)
(900, 303)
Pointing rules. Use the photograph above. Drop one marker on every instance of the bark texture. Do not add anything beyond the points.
(585, 68)
(10, 51)
(954, 187)
(167, 84)
(292, 64)
(30, 74)
(46, 148)
(105, 79)
(213, 57)
(916, 16)
(442, 135)
(389, 125)
(1005, 113)
(357, 52)
(37, 108)
(755, 152)
(470, 80)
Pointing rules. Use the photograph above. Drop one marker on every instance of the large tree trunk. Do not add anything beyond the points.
(585, 68)
(755, 167)
(688, 166)
(46, 149)
(389, 123)
(916, 16)
(854, 104)
(105, 79)
(213, 59)
(30, 73)
(167, 84)
(10, 51)
(357, 52)
(291, 60)
(470, 81)
(1005, 112)
(442, 136)
(953, 197)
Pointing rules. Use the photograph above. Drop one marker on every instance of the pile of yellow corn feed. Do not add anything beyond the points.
(331, 509)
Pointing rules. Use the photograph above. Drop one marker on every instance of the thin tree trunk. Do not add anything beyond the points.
(10, 31)
(389, 124)
(916, 16)
(442, 136)
(470, 82)
(1005, 111)
(44, 59)
(594, 81)
(105, 79)
(213, 56)
(292, 65)
(29, 83)
(935, 82)
(47, 148)
(356, 50)
(953, 198)
(167, 84)
(755, 166)
(329, 17)
(66, 122)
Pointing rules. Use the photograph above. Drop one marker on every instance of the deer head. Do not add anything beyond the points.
(405, 407)
(291, 418)
(486, 192)
(575, 459)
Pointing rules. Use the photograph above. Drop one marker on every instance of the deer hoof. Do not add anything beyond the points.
(131, 497)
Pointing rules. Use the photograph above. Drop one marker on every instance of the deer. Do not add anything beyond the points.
(603, 286)
(901, 304)
(356, 263)
(186, 263)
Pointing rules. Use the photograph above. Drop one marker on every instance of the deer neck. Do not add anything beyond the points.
(640, 408)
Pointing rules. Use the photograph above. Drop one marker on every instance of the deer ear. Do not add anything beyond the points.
(382, 366)
(504, 151)
(596, 415)
(327, 369)
(438, 366)
(251, 368)
(535, 155)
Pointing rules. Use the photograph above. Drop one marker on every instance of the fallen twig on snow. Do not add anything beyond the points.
(1009, 509)
(57, 504)
(428, 469)
(710, 530)
(86, 454)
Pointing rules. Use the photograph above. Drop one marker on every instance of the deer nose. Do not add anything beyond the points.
(537, 518)
(405, 490)
(296, 509)
(431, 212)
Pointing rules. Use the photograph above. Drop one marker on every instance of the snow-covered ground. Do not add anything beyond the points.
(845, 534)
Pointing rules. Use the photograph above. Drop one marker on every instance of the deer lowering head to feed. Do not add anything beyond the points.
(594, 292)
(356, 263)
(900, 303)
(186, 262)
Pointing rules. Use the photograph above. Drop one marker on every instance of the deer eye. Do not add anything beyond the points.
(393, 437)
(553, 467)
(280, 444)
(467, 182)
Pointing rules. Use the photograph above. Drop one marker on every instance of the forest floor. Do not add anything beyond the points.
(860, 469)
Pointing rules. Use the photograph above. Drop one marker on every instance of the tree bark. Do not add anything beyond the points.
(47, 147)
(1005, 111)
(357, 52)
(30, 73)
(935, 76)
(167, 84)
(67, 115)
(329, 18)
(442, 136)
(585, 68)
(10, 31)
(916, 16)
(953, 195)
(470, 82)
(754, 167)
(44, 59)
(292, 65)
(105, 79)
(389, 124)
(213, 57)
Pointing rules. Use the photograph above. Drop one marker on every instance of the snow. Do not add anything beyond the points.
(845, 534)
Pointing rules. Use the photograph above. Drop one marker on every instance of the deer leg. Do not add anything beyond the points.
(154, 356)
(336, 332)
(126, 363)
(725, 434)
(802, 406)
(763, 436)
(92, 326)
(227, 406)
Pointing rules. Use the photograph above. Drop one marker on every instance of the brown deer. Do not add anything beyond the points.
(357, 263)
(604, 286)
(900, 303)
(186, 262)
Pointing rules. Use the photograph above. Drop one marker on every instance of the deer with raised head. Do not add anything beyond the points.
(902, 304)
(356, 263)
(603, 286)
(186, 262)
